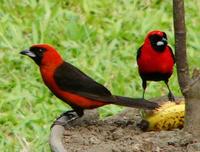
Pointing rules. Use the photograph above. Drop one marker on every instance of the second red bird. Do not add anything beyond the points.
(155, 60)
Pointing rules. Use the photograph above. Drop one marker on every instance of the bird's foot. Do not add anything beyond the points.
(65, 118)
(68, 114)
(171, 97)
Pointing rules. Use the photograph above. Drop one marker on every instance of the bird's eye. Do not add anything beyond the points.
(40, 50)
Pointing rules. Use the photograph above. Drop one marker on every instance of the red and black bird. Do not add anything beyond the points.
(155, 60)
(73, 86)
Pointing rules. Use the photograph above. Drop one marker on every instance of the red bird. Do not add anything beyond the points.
(73, 86)
(155, 60)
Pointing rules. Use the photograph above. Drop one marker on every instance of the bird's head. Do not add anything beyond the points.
(43, 54)
(157, 39)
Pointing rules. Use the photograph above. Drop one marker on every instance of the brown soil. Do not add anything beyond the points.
(120, 134)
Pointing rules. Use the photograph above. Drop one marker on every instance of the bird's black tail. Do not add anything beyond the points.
(135, 102)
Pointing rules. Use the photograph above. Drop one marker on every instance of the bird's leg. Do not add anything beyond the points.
(170, 94)
(65, 118)
(144, 85)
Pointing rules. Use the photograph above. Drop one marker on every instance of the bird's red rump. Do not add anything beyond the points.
(82, 101)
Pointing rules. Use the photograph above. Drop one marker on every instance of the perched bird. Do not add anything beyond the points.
(155, 60)
(73, 86)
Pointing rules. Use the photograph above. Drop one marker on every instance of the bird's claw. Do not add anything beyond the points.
(68, 114)
(65, 118)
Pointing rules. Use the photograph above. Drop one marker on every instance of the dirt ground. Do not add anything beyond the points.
(121, 134)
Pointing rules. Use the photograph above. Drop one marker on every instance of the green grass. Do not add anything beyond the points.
(100, 37)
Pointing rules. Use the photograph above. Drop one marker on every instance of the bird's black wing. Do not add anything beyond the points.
(139, 52)
(71, 79)
(172, 54)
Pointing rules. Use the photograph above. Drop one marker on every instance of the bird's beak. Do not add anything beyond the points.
(28, 53)
(162, 42)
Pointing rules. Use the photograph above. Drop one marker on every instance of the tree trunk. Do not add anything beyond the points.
(180, 45)
(189, 88)
(192, 117)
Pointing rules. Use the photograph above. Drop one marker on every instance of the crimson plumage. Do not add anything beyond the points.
(155, 60)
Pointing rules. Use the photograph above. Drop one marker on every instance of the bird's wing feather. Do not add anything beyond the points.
(71, 79)
(139, 52)
(172, 54)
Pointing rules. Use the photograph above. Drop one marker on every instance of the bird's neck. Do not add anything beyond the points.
(47, 72)
(49, 64)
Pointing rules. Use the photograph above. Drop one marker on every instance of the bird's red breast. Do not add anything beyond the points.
(151, 61)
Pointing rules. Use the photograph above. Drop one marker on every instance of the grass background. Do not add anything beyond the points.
(98, 36)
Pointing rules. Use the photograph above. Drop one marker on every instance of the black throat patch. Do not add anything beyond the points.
(154, 39)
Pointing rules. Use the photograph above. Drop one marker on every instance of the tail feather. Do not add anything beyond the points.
(135, 102)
